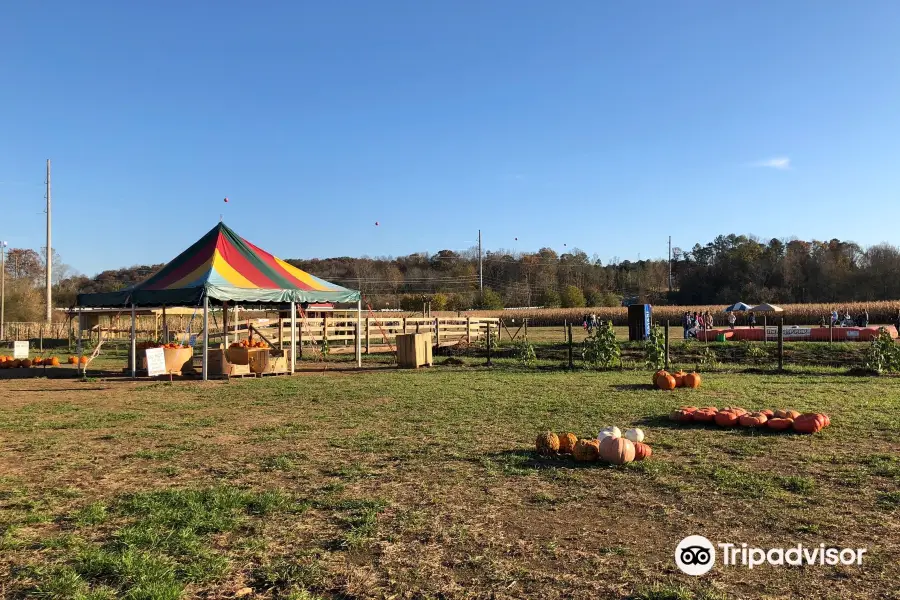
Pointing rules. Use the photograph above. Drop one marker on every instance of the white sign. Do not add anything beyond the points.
(20, 349)
(852, 333)
(156, 362)
(788, 332)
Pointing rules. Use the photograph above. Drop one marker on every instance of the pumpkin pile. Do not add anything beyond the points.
(777, 420)
(669, 381)
(610, 446)
(8, 362)
(247, 344)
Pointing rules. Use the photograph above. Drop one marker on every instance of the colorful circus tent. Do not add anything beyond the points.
(224, 267)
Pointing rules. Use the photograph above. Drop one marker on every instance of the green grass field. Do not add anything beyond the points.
(401, 484)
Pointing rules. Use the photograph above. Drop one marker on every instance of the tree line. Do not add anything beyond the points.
(727, 269)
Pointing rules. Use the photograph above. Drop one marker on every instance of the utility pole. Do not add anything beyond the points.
(2, 289)
(480, 270)
(49, 254)
(670, 263)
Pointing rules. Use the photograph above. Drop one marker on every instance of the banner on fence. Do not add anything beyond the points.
(20, 349)
(788, 332)
(156, 362)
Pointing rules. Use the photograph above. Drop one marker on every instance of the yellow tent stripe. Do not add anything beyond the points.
(227, 272)
(190, 277)
(301, 275)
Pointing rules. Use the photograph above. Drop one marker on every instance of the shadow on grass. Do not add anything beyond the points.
(628, 387)
(514, 462)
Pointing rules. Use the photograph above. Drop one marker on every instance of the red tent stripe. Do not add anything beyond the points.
(273, 264)
(239, 263)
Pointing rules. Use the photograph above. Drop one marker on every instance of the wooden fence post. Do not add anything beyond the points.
(571, 349)
(367, 334)
(469, 331)
(324, 331)
(437, 332)
(781, 344)
(404, 325)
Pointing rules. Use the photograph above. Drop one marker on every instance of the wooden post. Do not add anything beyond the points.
(765, 330)
(469, 331)
(571, 348)
(133, 347)
(324, 330)
(565, 330)
(404, 325)
(225, 325)
(367, 334)
(437, 333)
(526, 328)
(667, 346)
(80, 340)
(165, 326)
(831, 331)
(359, 333)
(281, 332)
(205, 371)
(781, 344)
(41, 330)
(293, 336)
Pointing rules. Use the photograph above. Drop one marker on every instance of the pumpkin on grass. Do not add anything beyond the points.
(635, 435)
(679, 376)
(54, 361)
(617, 451)
(642, 451)
(705, 415)
(567, 442)
(786, 414)
(73, 360)
(692, 380)
(752, 420)
(547, 443)
(809, 423)
(726, 418)
(609, 431)
(666, 382)
(679, 415)
(769, 414)
(586, 450)
(657, 375)
(779, 424)
(37, 361)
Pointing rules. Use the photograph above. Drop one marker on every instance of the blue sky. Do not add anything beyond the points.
(602, 125)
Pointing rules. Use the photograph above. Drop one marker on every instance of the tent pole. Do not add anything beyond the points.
(359, 332)
(293, 337)
(205, 337)
(80, 343)
(133, 350)
(225, 323)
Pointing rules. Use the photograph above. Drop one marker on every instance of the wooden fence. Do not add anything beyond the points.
(378, 334)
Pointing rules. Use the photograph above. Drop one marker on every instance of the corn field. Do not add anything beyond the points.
(884, 312)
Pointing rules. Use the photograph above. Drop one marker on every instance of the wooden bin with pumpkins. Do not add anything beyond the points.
(258, 356)
(179, 357)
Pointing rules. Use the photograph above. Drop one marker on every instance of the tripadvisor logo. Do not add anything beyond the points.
(696, 555)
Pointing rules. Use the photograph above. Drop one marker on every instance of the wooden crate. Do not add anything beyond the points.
(414, 350)
(220, 366)
(269, 361)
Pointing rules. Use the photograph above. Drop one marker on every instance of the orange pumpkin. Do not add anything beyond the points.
(786, 414)
(73, 360)
(54, 362)
(681, 415)
(705, 415)
(769, 414)
(752, 420)
(657, 375)
(666, 382)
(83, 360)
(642, 451)
(692, 380)
(809, 423)
(726, 418)
(679, 376)
(547, 443)
(617, 451)
(779, 424)
(37, 361)
(567, 442)
(586, 450)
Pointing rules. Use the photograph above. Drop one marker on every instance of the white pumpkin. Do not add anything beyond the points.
(611, 431)
(634, 435)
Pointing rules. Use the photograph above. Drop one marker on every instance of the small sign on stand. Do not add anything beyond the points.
(156, 362)
(20, 350)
